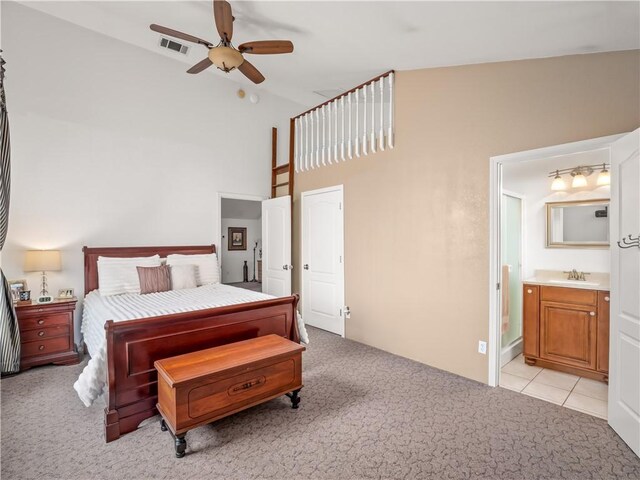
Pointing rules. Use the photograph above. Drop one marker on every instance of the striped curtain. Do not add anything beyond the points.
(9, 331)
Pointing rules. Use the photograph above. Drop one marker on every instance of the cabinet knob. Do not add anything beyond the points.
(606, 299)
(529, 290)
(593, 314)
(41, 347)
(41, 321)
(41, 333)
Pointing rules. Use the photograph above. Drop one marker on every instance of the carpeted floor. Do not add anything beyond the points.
(364, 414)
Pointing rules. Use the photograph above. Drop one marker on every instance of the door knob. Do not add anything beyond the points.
(529, 291)
(593, 314)
(306, 266)
(606, 299)
(285, 267)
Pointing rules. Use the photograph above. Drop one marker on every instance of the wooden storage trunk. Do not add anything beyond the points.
(204, 386)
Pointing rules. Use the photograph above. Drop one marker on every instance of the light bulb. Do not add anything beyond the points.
(604, 178)
(558, 183)
(579, 180)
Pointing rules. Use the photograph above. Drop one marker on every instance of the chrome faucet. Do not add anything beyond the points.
(575, 275)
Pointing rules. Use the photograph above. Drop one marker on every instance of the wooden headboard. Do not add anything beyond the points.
(91, 255)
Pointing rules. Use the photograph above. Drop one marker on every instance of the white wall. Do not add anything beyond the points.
(115, 146)
(530, 179)
(233, 260)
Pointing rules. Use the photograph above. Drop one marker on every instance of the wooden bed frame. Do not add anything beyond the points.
(133, 346)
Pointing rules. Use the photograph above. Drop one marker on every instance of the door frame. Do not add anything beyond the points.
(339, 188)
(517, 345)
(495, 196)
(234, 196)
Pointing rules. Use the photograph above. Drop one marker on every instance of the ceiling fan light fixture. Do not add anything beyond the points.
(225, 58)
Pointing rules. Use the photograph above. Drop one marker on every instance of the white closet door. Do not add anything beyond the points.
(624, 351)
(276, 246)
(323, 259)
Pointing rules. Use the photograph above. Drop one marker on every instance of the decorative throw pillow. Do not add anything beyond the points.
(154, 279)
(118, 275)
(207, 270)
(183, 276)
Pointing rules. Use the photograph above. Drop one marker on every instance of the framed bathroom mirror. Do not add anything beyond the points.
(578, 224)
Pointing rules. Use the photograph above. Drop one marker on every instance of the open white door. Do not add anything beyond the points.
(276, 246)
(322, 256)
(624, 351)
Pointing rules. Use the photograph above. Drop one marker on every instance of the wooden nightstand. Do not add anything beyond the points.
(46, 333)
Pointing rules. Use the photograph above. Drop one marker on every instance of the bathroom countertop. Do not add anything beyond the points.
(552, 278)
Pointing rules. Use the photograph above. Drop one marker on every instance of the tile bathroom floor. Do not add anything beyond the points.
(571, 391)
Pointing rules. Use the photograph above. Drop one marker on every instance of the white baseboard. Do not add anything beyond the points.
(510, 352)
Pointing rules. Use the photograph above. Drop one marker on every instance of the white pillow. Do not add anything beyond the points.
(183, 276)
(207, 271)
(119, 275)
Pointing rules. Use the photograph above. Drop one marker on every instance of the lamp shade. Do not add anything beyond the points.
(579, 180)
(42, 261)
(604, 178)
(558, 184)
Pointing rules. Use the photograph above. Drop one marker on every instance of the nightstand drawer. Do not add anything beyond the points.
(44, 333)
(44, 347)
(40, 321)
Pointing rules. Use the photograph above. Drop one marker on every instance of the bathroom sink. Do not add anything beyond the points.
(575, 282)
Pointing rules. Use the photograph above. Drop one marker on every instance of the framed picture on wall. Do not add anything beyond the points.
(237, 238)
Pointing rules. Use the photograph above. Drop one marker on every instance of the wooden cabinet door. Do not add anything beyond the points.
(603, 332)
(568, 334)
(530, 314)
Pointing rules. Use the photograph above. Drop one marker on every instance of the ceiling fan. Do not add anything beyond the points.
(224, 55)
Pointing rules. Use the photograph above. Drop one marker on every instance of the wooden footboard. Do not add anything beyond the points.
(134, 345)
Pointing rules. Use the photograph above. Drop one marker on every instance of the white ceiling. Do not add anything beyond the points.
(341, 44)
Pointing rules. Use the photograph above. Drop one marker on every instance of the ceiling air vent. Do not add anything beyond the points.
(173, 45)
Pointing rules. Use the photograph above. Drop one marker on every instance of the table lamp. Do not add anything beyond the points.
(43, 261)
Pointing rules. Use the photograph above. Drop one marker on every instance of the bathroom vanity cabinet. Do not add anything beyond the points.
(567, 329)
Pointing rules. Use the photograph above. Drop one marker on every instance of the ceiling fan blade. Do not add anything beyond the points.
(251, 72)
(224, 19)
(200, 66)
(175, 33)
(267, 47)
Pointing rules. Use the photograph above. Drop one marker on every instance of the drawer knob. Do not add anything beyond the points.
(41, 333)
(606, 299)
(41, 347)
(529, 290)
(41, 321)
(593, 314)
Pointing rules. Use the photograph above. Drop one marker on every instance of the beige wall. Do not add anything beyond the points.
(417, 217)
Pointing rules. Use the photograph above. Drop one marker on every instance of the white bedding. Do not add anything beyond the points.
(99, 309)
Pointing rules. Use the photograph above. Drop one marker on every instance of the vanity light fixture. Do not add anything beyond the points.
(604, 178)
(558, 183)
(579, 179)
(579, 176)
